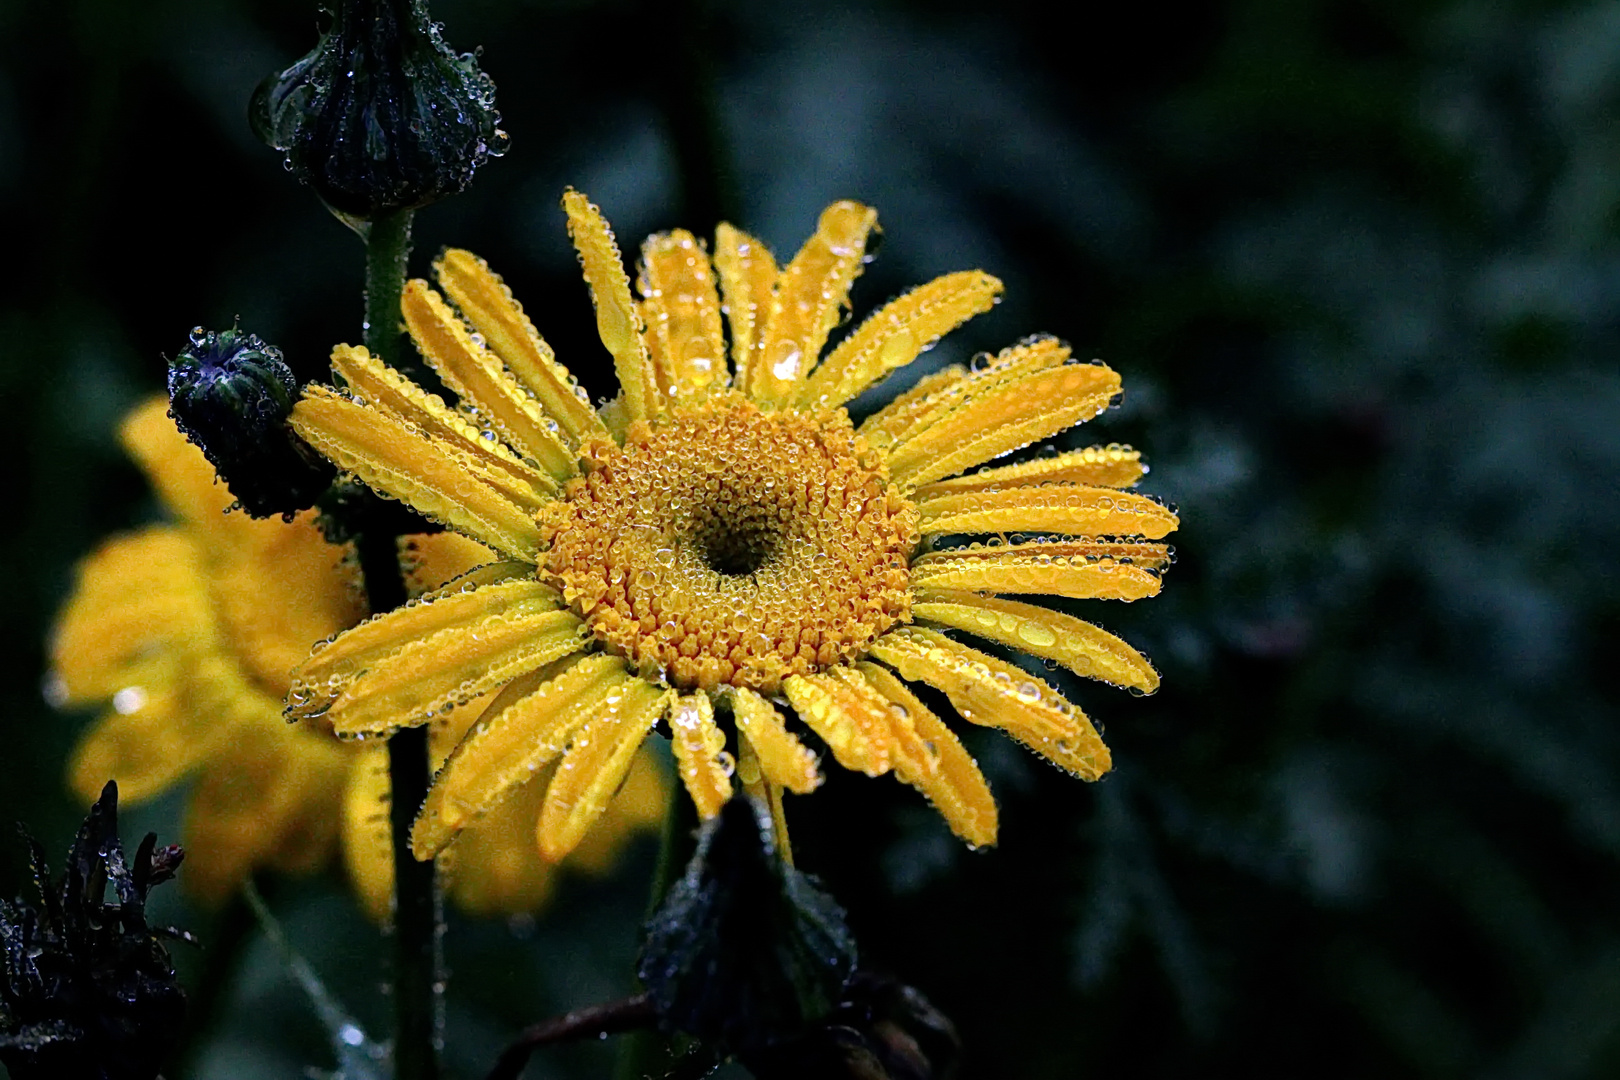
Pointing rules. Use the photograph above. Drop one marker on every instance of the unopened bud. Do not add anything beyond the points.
(231, 394)
(382, 115)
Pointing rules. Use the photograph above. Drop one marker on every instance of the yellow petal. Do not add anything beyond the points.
(946, 773)
(527, 725)
(639, 806)
(992, 693)
(897, 334)
(883, 428)
(700, 753)
(748, 282)
(1080, 570)
(488, 304)
(682, 313)
(176, 469)
(432, 674)
(1084, 649)
(274, 798)
(137, 597)
(938, 396)
(482, 383)
(756, 786)
(853, 721)
(388, 390)
(594, 765)
(481, 595)
(393, 458)
(783, 759)
(278, 587)
(1059, 508)
(1004, 419)
(430, 561)
(150, 740)
(368, 851)
(494, 868)
(618, 323)
(810, 294)
(1111, 466)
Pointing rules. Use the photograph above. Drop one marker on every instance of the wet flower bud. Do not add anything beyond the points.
(746, 952)
(87, 987)
(231, 394)
(382, 115)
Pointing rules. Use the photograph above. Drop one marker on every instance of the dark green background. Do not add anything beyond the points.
(1358, 263)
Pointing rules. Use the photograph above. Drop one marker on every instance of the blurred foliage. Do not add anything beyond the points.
(1359, 262)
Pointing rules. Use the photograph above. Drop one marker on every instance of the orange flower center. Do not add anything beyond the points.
(730, 546)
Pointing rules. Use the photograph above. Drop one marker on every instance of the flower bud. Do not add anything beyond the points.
(231, 394)
(745, 952)
(382, 115)
(87, 988)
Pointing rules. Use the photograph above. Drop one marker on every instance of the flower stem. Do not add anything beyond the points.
(416, 898)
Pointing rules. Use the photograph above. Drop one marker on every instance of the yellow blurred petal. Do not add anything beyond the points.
(388, 390)
(783, 759)
(1097, 466)
(992, 693)
(811, 292)
(852, 720)
(747, 273)
(699, 746)
(176, 469)
(135, 598)
(945, 772)
(594, 765)
(478, 596)
(897, 334)
(448, 669)
(429, 561)
(278, 588)
(368, 851)
(151, 738)
(1080, 570)
(482, 383)
(526, 726)
(1004, 419)
(618, 322)
(494, 868)
(1084, 649)
(1059, 508)
(639, 806)
(273, 799)
(682, 313)
(755, 786)
(488, 304)
(390, 456)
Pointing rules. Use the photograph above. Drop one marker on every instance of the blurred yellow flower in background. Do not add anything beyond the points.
(187, 633)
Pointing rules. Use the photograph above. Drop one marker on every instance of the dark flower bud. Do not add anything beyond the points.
(382, 115)
(231, 394)
(88, 988)
(746, 952)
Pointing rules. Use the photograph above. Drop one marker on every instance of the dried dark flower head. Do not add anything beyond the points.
(231, 394)
(88, 990)
(382, 115)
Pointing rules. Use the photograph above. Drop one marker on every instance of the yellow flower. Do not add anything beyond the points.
(190, 632)
(715, 542)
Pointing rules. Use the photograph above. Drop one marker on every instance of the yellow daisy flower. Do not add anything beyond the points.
(189, 633)
(717, 543)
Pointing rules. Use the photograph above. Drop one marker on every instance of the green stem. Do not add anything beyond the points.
(416, 897)
(646, 1053)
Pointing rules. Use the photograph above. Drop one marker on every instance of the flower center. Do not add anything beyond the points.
(728, 546)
